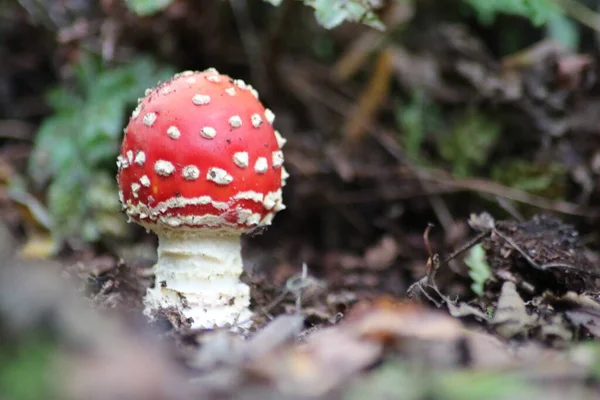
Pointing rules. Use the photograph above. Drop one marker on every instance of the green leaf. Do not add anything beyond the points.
(412, 381)
(85, 204)
(62, 100)
(87, 70)
(537, 11)
(410, 119)
(415, 119)
(53, 148)
(100, 151)
(103, 121)
(331, 13)
(537, 178)
(66, 195)
(74, 145)
(476, 385)
(24, 368)
(479, 269)
(144, 73)
(105, 207)
(113, 86)
(147, 7)
(564, 31)
(394, 380)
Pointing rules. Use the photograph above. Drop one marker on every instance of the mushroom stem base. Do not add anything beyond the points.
(198, 276)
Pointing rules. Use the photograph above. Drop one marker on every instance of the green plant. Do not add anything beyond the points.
(543, 179)
(75, 148)
(397, 379)
(475, 385)
(394, 380)
(548, 13)
(467, 144)
(329, 13)
(147, 7)
(479, 269)
(25, 366)
(415, 118)
(537, 11)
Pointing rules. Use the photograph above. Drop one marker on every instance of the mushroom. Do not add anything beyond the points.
(200, 165)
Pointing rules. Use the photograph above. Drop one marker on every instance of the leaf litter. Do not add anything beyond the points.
(288, 357)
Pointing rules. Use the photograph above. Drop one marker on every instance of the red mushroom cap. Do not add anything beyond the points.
(200, 151)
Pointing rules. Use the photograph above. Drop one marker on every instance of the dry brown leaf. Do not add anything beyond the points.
(387, 320)
(329, 357)
(582, 300)
(535, 54)
(589, 319)
(556, 327)
(510, 317)
(461, 310)
(39, 246)
(280, 331)
(383, 253)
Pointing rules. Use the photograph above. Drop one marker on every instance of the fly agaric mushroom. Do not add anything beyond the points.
(200, 165)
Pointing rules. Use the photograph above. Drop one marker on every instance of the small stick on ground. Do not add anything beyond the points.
(434, 264)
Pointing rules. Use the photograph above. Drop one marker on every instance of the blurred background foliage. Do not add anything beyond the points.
(75, 147)
(71, 168)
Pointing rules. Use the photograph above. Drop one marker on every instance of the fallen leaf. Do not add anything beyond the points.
(386, 320)
(39, 246)
(510, 317)
(383, 253)
(465, 310)
(587, 318)
(327, 358)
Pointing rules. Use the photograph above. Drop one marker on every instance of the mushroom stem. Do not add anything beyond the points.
(198, 275)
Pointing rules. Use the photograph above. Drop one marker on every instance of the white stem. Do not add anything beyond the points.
(199, 277)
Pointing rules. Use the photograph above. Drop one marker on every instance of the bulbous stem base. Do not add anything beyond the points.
(199, 277)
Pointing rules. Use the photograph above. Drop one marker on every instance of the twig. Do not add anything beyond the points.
(303, 277)
(482, 186)
(295, 284)
(440, 183)
(517, 248)
(480, 236)
(485, 223)
(434, 264)
(428, 281)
